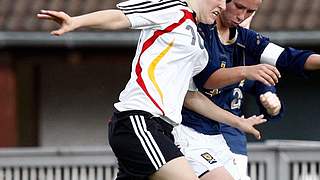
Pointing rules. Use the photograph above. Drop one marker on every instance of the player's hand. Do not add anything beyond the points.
(265, 73)
(247, 125)
(63, 19)
(271, 102)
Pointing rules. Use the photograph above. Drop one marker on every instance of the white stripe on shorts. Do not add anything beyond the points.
(152, 140)
(147, 140)
(149, 147)
(142, 143)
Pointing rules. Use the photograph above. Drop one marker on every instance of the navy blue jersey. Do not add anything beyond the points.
(245, 48)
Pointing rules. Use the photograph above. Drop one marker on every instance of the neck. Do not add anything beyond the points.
(223, 31)
(194, 7)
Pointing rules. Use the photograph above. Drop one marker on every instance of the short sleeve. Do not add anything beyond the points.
(145, 14)
(192, 86)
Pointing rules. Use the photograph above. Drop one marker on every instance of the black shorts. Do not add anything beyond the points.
(141, 142)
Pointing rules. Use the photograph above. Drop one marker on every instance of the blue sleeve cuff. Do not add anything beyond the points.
(274, 118)
(261, 89)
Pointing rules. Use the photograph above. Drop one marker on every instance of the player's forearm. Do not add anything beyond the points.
(200, 104)
(313, 62)
(106, 19)
(224, 77)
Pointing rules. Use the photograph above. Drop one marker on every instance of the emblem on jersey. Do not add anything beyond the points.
(208, 158)
(241, 84)
(223, 64)
(213, 92)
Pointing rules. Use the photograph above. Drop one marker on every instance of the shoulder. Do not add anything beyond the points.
(249, 36)
(206, 30)
(247, 32)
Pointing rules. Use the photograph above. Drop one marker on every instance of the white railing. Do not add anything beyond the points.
(284, 160)
(272, 160)
(96, 163)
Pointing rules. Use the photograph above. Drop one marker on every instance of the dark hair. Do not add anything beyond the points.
(227, 1)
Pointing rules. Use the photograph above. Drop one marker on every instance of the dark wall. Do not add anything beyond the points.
(8, 123)
(65, 95)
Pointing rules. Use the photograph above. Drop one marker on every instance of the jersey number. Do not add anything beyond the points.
(238, 96)
(194, 36)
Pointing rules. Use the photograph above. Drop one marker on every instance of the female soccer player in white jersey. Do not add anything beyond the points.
(169, 53)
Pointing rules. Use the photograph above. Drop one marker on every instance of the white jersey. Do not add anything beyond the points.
(169, 53)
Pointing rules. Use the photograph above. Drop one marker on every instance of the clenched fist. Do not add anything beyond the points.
(271, 102)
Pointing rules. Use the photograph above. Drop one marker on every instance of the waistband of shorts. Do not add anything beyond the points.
(125, 114)
(167, 126)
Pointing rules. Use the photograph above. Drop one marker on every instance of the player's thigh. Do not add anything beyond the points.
(217, 174)
(177, 168)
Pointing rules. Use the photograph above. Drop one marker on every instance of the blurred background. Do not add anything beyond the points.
(57, 93)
